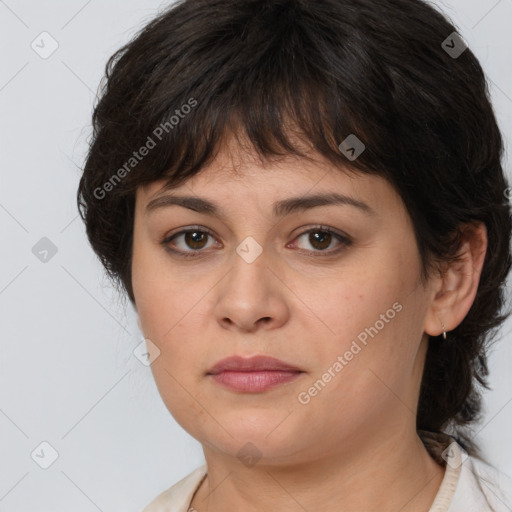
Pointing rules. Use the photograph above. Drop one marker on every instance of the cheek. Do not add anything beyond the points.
(342, 308)
(158, 297)
(370, 317)
(169, 308)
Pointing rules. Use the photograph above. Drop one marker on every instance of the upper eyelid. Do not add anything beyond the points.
(210, 232)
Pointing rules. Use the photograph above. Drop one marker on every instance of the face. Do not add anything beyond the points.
(329, 288)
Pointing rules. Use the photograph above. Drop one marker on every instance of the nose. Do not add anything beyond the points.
(252, 296)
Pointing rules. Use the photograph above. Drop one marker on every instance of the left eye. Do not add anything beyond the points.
(321, 239)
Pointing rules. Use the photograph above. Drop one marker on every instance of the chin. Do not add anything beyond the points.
(264, 436)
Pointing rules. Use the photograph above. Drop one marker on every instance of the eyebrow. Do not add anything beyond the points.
(281, 208)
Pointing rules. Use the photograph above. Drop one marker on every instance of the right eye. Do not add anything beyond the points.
(193, 238)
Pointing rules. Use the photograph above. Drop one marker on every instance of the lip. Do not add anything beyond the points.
(253, 374)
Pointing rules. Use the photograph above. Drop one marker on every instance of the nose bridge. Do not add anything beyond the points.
(248, 292)
(249, 274)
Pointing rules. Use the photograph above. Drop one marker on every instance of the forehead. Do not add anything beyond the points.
(237, 161)
(230, 170)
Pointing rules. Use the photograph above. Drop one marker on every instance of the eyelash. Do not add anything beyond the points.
(345, 240)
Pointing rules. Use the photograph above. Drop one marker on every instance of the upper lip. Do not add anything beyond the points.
(251, 364)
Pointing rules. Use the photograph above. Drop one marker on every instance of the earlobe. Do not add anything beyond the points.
(458, 285)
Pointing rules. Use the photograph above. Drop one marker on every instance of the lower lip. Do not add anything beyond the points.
(254, 382)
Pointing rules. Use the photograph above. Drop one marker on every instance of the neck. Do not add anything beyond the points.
(374, 472)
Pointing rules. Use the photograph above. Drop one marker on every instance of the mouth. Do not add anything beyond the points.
(253, 375)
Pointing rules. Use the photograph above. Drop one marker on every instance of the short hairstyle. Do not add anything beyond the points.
(380, 70)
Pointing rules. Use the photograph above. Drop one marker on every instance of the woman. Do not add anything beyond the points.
(305, 204)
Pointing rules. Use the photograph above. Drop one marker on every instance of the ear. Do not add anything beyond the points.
(455, 290)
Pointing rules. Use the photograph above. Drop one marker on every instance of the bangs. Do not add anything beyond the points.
(277, 89)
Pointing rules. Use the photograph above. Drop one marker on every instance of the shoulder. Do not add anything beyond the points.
(177, 497)
(481, 488)
(469, 484)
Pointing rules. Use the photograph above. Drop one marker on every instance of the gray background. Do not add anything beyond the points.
(67, 373)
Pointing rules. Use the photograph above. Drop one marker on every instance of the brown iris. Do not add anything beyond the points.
(192, 238)
(321, 237)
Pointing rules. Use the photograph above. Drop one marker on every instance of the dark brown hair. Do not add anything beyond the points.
(324, 69)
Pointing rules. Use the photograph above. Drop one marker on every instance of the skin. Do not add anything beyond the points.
(354, 445)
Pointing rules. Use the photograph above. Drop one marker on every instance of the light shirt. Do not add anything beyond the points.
(469, 484)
